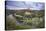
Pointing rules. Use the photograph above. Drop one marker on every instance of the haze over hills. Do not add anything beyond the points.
(23, 9)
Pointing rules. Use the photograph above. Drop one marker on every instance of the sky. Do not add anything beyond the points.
(14, 5)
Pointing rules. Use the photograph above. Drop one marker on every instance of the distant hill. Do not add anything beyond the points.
(8, 12)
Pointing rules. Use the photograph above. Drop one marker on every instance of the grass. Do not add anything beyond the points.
(22, 27)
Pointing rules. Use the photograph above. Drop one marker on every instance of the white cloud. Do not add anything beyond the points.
(23, 5)
(14, 8)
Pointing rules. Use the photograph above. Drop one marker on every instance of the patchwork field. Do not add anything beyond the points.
(24, 19)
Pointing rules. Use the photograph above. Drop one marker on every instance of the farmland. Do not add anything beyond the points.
(24, 19)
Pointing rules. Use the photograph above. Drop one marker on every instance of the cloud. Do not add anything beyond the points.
(24, 4)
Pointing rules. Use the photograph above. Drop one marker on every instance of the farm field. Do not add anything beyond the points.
(24, 19)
